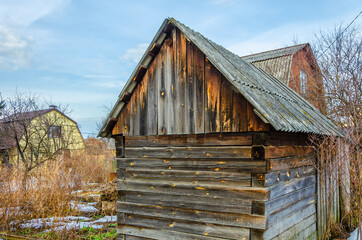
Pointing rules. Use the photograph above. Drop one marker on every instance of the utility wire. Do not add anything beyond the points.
(342, 33)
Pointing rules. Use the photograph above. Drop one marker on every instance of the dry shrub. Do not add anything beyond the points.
(46, 191)
(95, 165)
(43, 193)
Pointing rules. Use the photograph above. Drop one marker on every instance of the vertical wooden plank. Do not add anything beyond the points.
(179, 88)
(199, 103)
(212, 98)
(240, 117)
(134, 112)
(190, 90)
(226, 113)
(126, 119)
(161, 94)
(255, 123)
(143, 105)
(152, 95)
(170, 83)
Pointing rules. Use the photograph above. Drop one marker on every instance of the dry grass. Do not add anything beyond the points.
(46, 191)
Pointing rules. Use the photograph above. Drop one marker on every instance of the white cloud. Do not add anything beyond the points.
(15, 48)
(275, 38)
(135, 54)
(15, 17)
(25, 12)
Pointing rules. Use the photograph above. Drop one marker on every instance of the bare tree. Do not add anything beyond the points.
(2, 105)
(339, 57)
(31, 135)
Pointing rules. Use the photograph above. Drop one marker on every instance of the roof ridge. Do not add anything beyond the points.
(277, 49)
(280, 105)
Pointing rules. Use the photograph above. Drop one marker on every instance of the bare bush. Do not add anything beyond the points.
(339, 57)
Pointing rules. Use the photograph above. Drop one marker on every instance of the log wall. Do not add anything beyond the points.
(189, 187)
(216, 186)
(291, 182)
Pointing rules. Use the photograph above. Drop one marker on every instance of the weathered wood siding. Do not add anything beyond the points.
(189, 187)
(216, 186)
(183, 93)
(291, 182)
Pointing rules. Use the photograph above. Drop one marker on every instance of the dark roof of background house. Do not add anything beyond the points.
(280, 52)
(26, 115)
(273, 100)
(18, 120)
(277, 62)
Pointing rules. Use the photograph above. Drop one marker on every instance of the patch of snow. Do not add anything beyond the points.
(94, 195)
(92, 204)
(76, 218)
(83, 207)
(78, 191)
(106, 219)
(75, 225)
(51, 222)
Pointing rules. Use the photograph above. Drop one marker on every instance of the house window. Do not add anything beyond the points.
(54, 131)
(303, 82)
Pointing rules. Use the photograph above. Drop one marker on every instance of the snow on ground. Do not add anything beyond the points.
(67, 223)
(83, 207)
(106, 219)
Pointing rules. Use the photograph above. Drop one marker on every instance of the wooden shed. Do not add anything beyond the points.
(210, 146)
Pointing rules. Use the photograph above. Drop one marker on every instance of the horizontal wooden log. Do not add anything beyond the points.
(292, 209)
(286, 223)
(287, 151)
(181, 188)
(279, 164)
(224, 139)
(182, 200)
(284, 188)
(298, 229)
(280, 139)
(226, 219)
(287, 200)
(129, 237)
(211, 177)
(190, 202)
(276, 177)
(189, 152)
(159, 234)
(217, 165)
(211, 230)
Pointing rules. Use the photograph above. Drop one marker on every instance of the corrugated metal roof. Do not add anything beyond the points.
(275, 101)
(279, 67)
(262, 56)
(277, 62)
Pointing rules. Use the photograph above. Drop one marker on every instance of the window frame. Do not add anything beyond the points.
(303, 81)
(55, 129)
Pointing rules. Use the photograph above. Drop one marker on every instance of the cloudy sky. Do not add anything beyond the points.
(80, 53)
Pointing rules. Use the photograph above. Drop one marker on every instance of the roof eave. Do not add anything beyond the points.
(137, 74)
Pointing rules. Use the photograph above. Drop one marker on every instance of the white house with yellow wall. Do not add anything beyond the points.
(38, 135)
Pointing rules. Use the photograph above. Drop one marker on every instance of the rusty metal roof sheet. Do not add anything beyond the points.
(279, 67)
(283, 108)
(277, 62)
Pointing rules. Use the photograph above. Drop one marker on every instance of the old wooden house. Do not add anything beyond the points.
(210, 146)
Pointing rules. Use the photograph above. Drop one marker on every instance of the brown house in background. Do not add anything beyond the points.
(297, 67)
